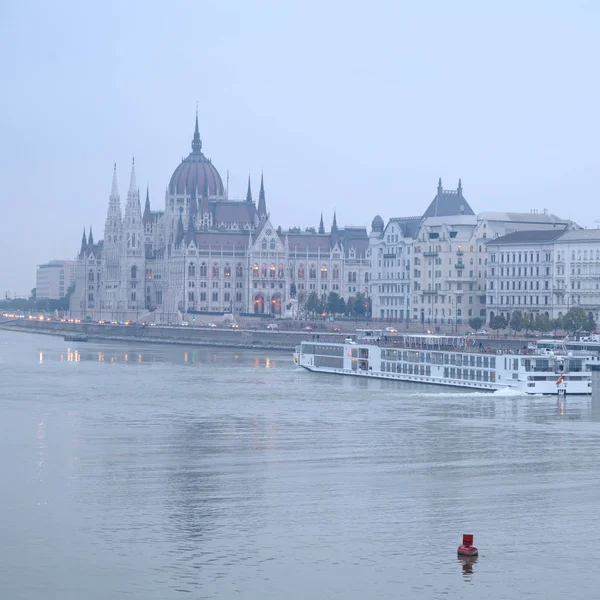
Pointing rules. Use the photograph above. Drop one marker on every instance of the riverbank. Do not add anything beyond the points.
(226, 338)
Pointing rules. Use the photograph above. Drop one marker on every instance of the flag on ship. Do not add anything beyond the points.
(560, 380)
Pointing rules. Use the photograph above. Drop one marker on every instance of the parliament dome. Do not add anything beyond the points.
(196, 171)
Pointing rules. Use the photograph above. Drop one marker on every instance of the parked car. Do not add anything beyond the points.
(481, 332)
(273, 326)
(391, 330)
(234, 326)
(336, 330)
(212, 325)
(308, 328)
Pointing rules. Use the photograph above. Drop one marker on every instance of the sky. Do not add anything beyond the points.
(345, 105)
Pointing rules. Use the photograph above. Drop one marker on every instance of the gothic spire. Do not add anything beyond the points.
(179, 236)
(334, 226)
(114, 192)
(262, 204)
(321, 226)
(132, 182)
(83, 244)
(459, 189)
(196, 141)
(147, 213)
(249, 192)
(90, 237)
(191, 229)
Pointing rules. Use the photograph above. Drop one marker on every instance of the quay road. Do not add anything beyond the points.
(223, 336)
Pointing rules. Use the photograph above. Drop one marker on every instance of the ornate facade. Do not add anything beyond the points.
(206, 253)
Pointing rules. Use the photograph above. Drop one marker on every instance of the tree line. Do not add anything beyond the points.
(575, 320)
(358, 306)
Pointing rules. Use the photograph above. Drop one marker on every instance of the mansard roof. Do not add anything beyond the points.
(581, 235)
(232, 211)
(532, 236)
(448, 203)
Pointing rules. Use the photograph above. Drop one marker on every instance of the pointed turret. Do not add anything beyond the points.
(83, 244)
(147, 213)
(249, 191)
(440, 185)
(459, 189)
(190, 234)
(179, 236)
(334, 227)
(262, 204)
(90, 238)
(196, 141)
(321, 226)
(114, 192)
(132, 180)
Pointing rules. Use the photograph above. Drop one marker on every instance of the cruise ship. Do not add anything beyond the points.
(451, 361)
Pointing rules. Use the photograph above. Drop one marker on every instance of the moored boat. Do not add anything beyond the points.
(76, 337)
(451, 361)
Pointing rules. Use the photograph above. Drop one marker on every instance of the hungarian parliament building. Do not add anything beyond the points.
(204, 252)
(207, 253)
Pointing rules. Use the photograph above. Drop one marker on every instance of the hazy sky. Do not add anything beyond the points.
(359, 106)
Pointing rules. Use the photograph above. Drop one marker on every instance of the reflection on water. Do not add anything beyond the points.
(467, 563)
(150, 472)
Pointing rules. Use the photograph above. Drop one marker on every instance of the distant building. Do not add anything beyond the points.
(432, 269)
(54, 278)
(544, 272)
(205, 252)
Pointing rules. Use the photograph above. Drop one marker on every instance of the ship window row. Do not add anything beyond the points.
(440, 358)
(323, 349)
(329, 361)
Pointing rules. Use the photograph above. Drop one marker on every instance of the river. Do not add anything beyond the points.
(157, 472)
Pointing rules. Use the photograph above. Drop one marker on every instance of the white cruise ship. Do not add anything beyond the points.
(451, 361)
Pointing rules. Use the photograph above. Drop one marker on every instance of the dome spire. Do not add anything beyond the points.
(196, 142)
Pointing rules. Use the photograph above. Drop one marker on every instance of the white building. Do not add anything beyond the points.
(206, 253)
(577, 272)
(54, 278)
(446, 275)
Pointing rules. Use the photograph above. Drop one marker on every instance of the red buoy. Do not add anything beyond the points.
(467, 548)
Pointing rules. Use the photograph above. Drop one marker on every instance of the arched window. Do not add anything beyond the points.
(129, 243)
(215, 270)
(280, 270)
(272, 270)
(264, 244)
(349, 277)
(312, 272)
(272, 244)
(301, 272)
(239, 271)
(148, 273)
(91, 275)
(336, 272)
(134, 272)
(263, 270)
(203, 270)
(133, 240)
(323, 272)
(367, 277)
(191, 270)
(585, 255)
(255, 270)
(227, 270)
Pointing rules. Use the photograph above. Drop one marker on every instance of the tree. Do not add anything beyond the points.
(516, 321)
(476, 323)
(350, 306)
(527, 323)
(333, 303)
(577, 320)
(557, 324)
(312, 302)
(33, 294)
(497, 323)
(342, 309)
(542, 323)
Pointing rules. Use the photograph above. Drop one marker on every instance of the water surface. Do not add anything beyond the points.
(159, 472)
